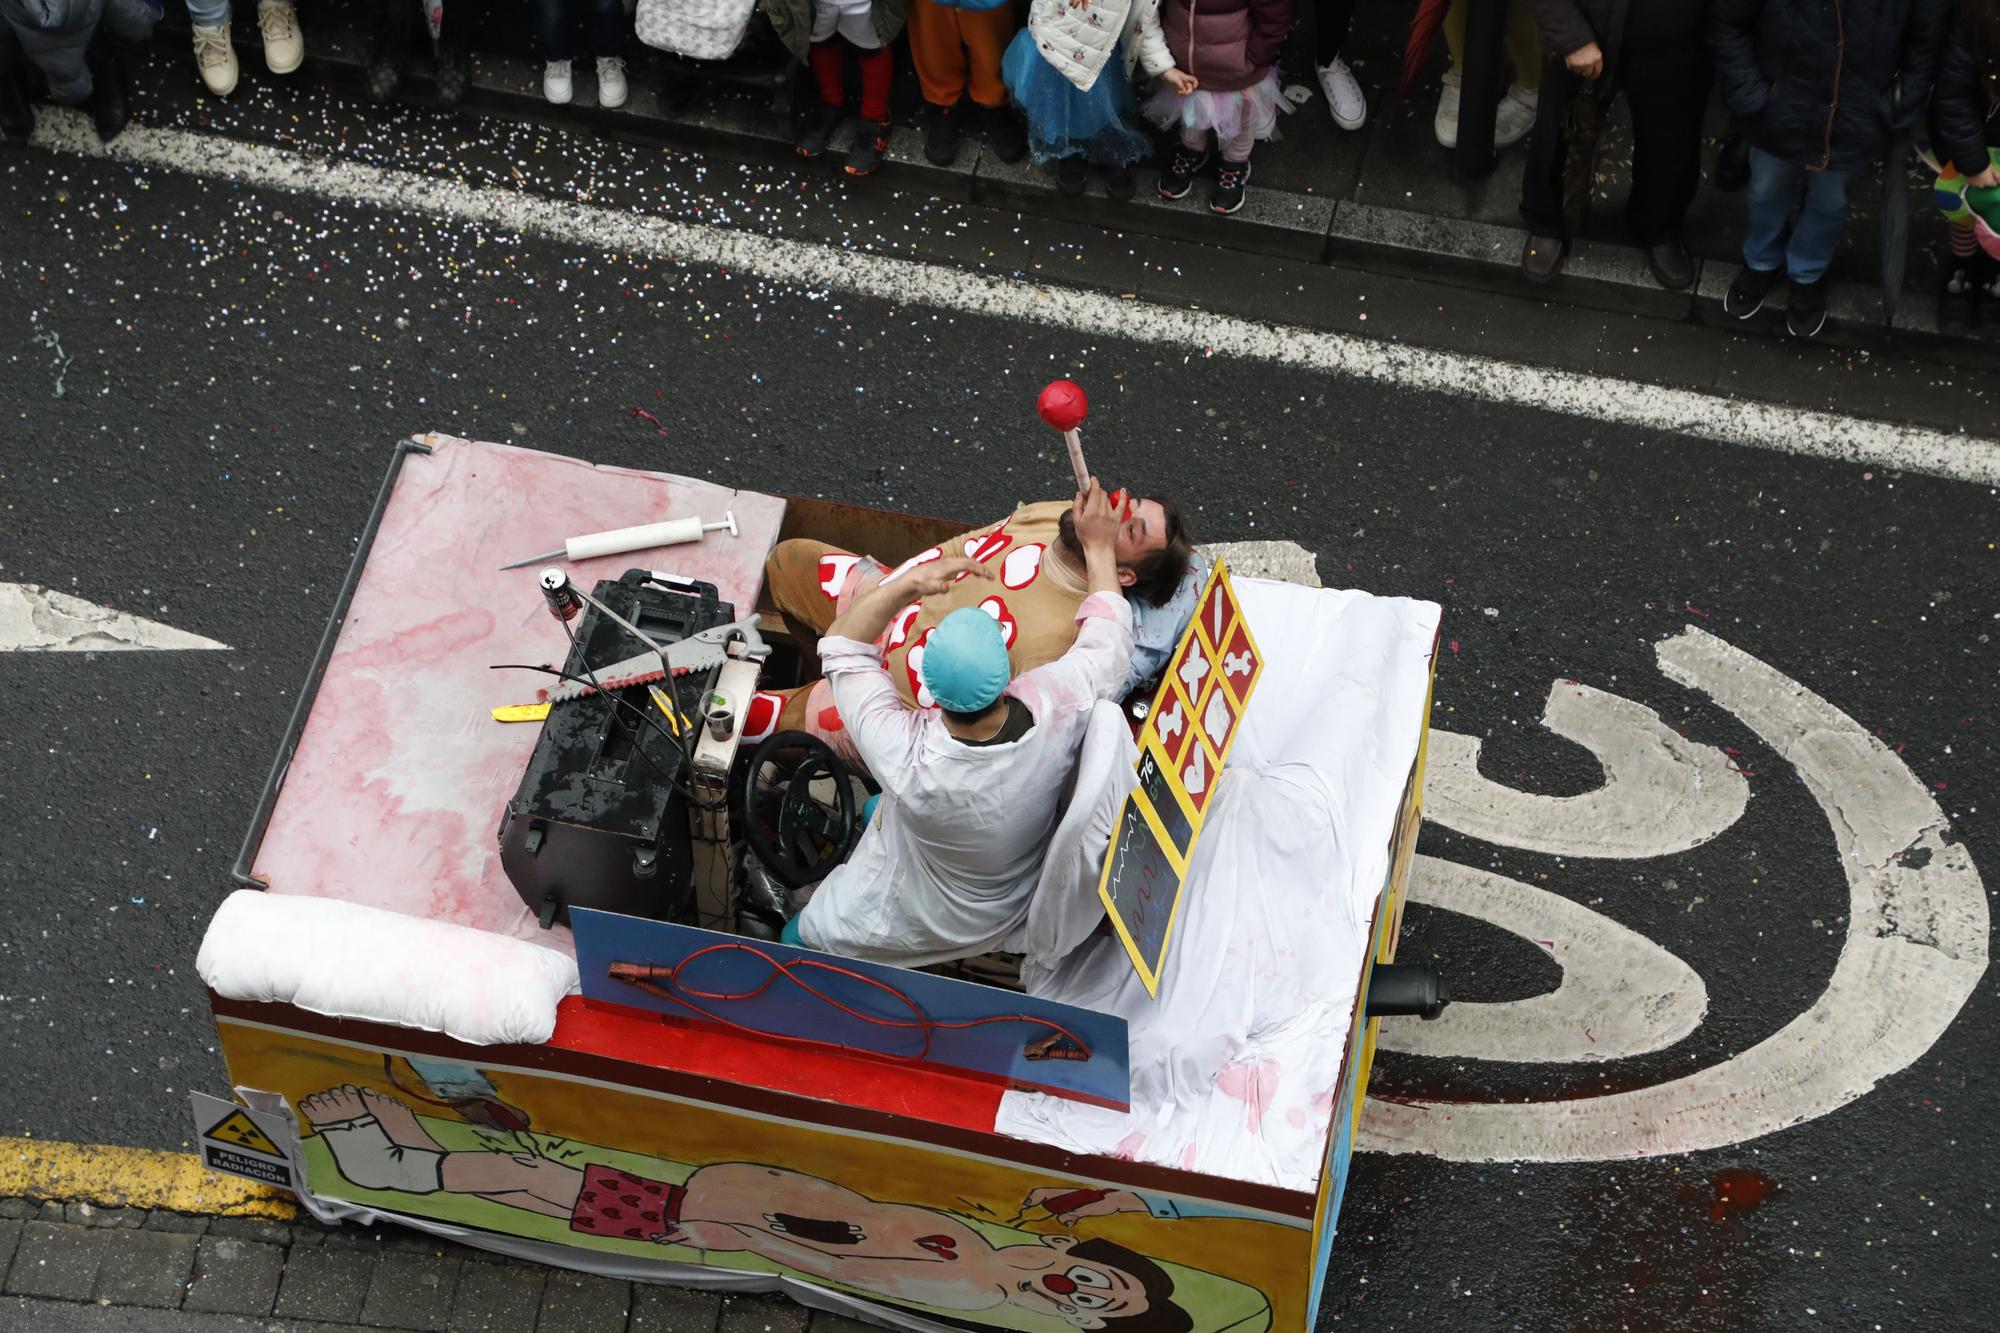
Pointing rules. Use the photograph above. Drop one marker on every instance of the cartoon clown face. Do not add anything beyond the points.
(1085, 1289)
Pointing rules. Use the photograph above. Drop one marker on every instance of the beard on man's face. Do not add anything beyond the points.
(1066, 536)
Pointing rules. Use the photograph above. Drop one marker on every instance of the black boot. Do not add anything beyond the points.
(454, 75)
(110, 103)
(389, 46)
(1004, 134)
(17, 117)
(941, 125)
(1958, 298)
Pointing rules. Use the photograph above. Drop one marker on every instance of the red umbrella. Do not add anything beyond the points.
(1424, 30)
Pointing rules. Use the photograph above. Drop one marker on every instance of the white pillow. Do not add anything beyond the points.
(349, 961)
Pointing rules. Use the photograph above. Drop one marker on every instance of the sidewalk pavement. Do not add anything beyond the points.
(1383, 198)
(76, 1267)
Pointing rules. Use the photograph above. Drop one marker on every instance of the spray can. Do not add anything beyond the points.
(562, 599)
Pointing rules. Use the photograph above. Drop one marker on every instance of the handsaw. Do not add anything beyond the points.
(698, 652)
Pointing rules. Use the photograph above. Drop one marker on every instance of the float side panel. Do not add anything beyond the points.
(1351, 1095)
(621, 1175)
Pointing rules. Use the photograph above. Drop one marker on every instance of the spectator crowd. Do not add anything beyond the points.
(1819, 92)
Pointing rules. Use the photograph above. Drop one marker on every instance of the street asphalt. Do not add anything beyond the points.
(233, 365)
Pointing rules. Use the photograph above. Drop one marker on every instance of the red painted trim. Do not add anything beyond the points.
(640, 1037)
(937, 1091)
(594, 1042)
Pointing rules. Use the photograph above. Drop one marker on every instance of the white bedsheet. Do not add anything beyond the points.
(1234, 1065)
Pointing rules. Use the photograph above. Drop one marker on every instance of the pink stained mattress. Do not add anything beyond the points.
(394, 794)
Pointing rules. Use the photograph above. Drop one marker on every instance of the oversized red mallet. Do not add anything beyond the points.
(1064, 406)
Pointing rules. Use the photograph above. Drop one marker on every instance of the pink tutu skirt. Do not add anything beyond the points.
(1254, 108)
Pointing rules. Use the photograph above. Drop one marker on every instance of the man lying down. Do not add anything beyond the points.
(970, 791)
(1039, 582)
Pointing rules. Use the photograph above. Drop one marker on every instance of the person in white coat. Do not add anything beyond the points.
(970, 793)
(1070, 72)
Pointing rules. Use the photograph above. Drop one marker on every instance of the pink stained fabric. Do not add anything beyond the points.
(394, 796)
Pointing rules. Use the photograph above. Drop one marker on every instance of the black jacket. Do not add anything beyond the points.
(1964, 115)
(1824, 83)
(1571, 25)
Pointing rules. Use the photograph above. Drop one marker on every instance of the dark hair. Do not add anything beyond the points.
(1158, 574)
(1161, 1315)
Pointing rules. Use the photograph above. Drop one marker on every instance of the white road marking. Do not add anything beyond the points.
(1621, 994)
(1916, 948)
(1662, 793)
(816, 267)
(34, 619)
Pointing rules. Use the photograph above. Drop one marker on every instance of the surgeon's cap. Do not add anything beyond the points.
(965, 663)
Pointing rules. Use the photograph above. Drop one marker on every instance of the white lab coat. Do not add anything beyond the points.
(951, 859)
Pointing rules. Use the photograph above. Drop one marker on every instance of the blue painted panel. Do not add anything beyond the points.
(768, 1000)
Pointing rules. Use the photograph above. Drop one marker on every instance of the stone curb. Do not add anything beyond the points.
(1284, 224)
(367, 1277)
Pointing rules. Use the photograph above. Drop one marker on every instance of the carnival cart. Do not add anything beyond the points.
(517, 982)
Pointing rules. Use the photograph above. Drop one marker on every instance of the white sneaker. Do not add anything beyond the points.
(558, 84)
(284, 46)
(1446, 123)
(1343, 95)
(216, 59)
(611, 89)
(1514, 117)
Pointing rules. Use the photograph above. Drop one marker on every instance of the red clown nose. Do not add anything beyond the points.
(1063, 405)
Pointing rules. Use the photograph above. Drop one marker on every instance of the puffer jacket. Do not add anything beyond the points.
(1825, 83)
(1078, 39)
(1227, 44)
(55, 35)
(1965, 112)
(792, 20)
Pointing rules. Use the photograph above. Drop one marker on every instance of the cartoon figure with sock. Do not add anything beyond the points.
(814, 1227)
(1070, 72)
(1230, 47)
(813, 31)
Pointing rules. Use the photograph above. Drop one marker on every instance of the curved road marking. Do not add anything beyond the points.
(34, 619)
(1621, 994)
(1662, 793)
(1916, 947)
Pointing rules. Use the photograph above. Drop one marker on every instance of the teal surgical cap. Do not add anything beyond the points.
(965, 663)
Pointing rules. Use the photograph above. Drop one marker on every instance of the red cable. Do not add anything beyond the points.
(641, 975)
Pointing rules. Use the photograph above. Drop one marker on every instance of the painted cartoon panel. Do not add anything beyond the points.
(965, 1239)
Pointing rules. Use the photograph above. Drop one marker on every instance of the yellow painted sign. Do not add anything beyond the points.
(240, 1130)
(1195, 716)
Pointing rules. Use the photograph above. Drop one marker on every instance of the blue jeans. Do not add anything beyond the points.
(607, 28)
(209, 13)
(1801, 249)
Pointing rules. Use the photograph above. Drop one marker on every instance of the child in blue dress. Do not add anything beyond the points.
(1070, 72)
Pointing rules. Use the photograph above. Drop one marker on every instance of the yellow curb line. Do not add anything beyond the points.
(115, 1177)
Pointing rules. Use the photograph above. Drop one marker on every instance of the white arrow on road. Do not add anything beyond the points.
(34, 619)
(1916, 948)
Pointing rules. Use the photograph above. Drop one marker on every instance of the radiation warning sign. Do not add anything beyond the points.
(1182, 748)
(241, 1142)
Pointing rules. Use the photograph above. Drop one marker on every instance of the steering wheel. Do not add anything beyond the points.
(797, 836)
